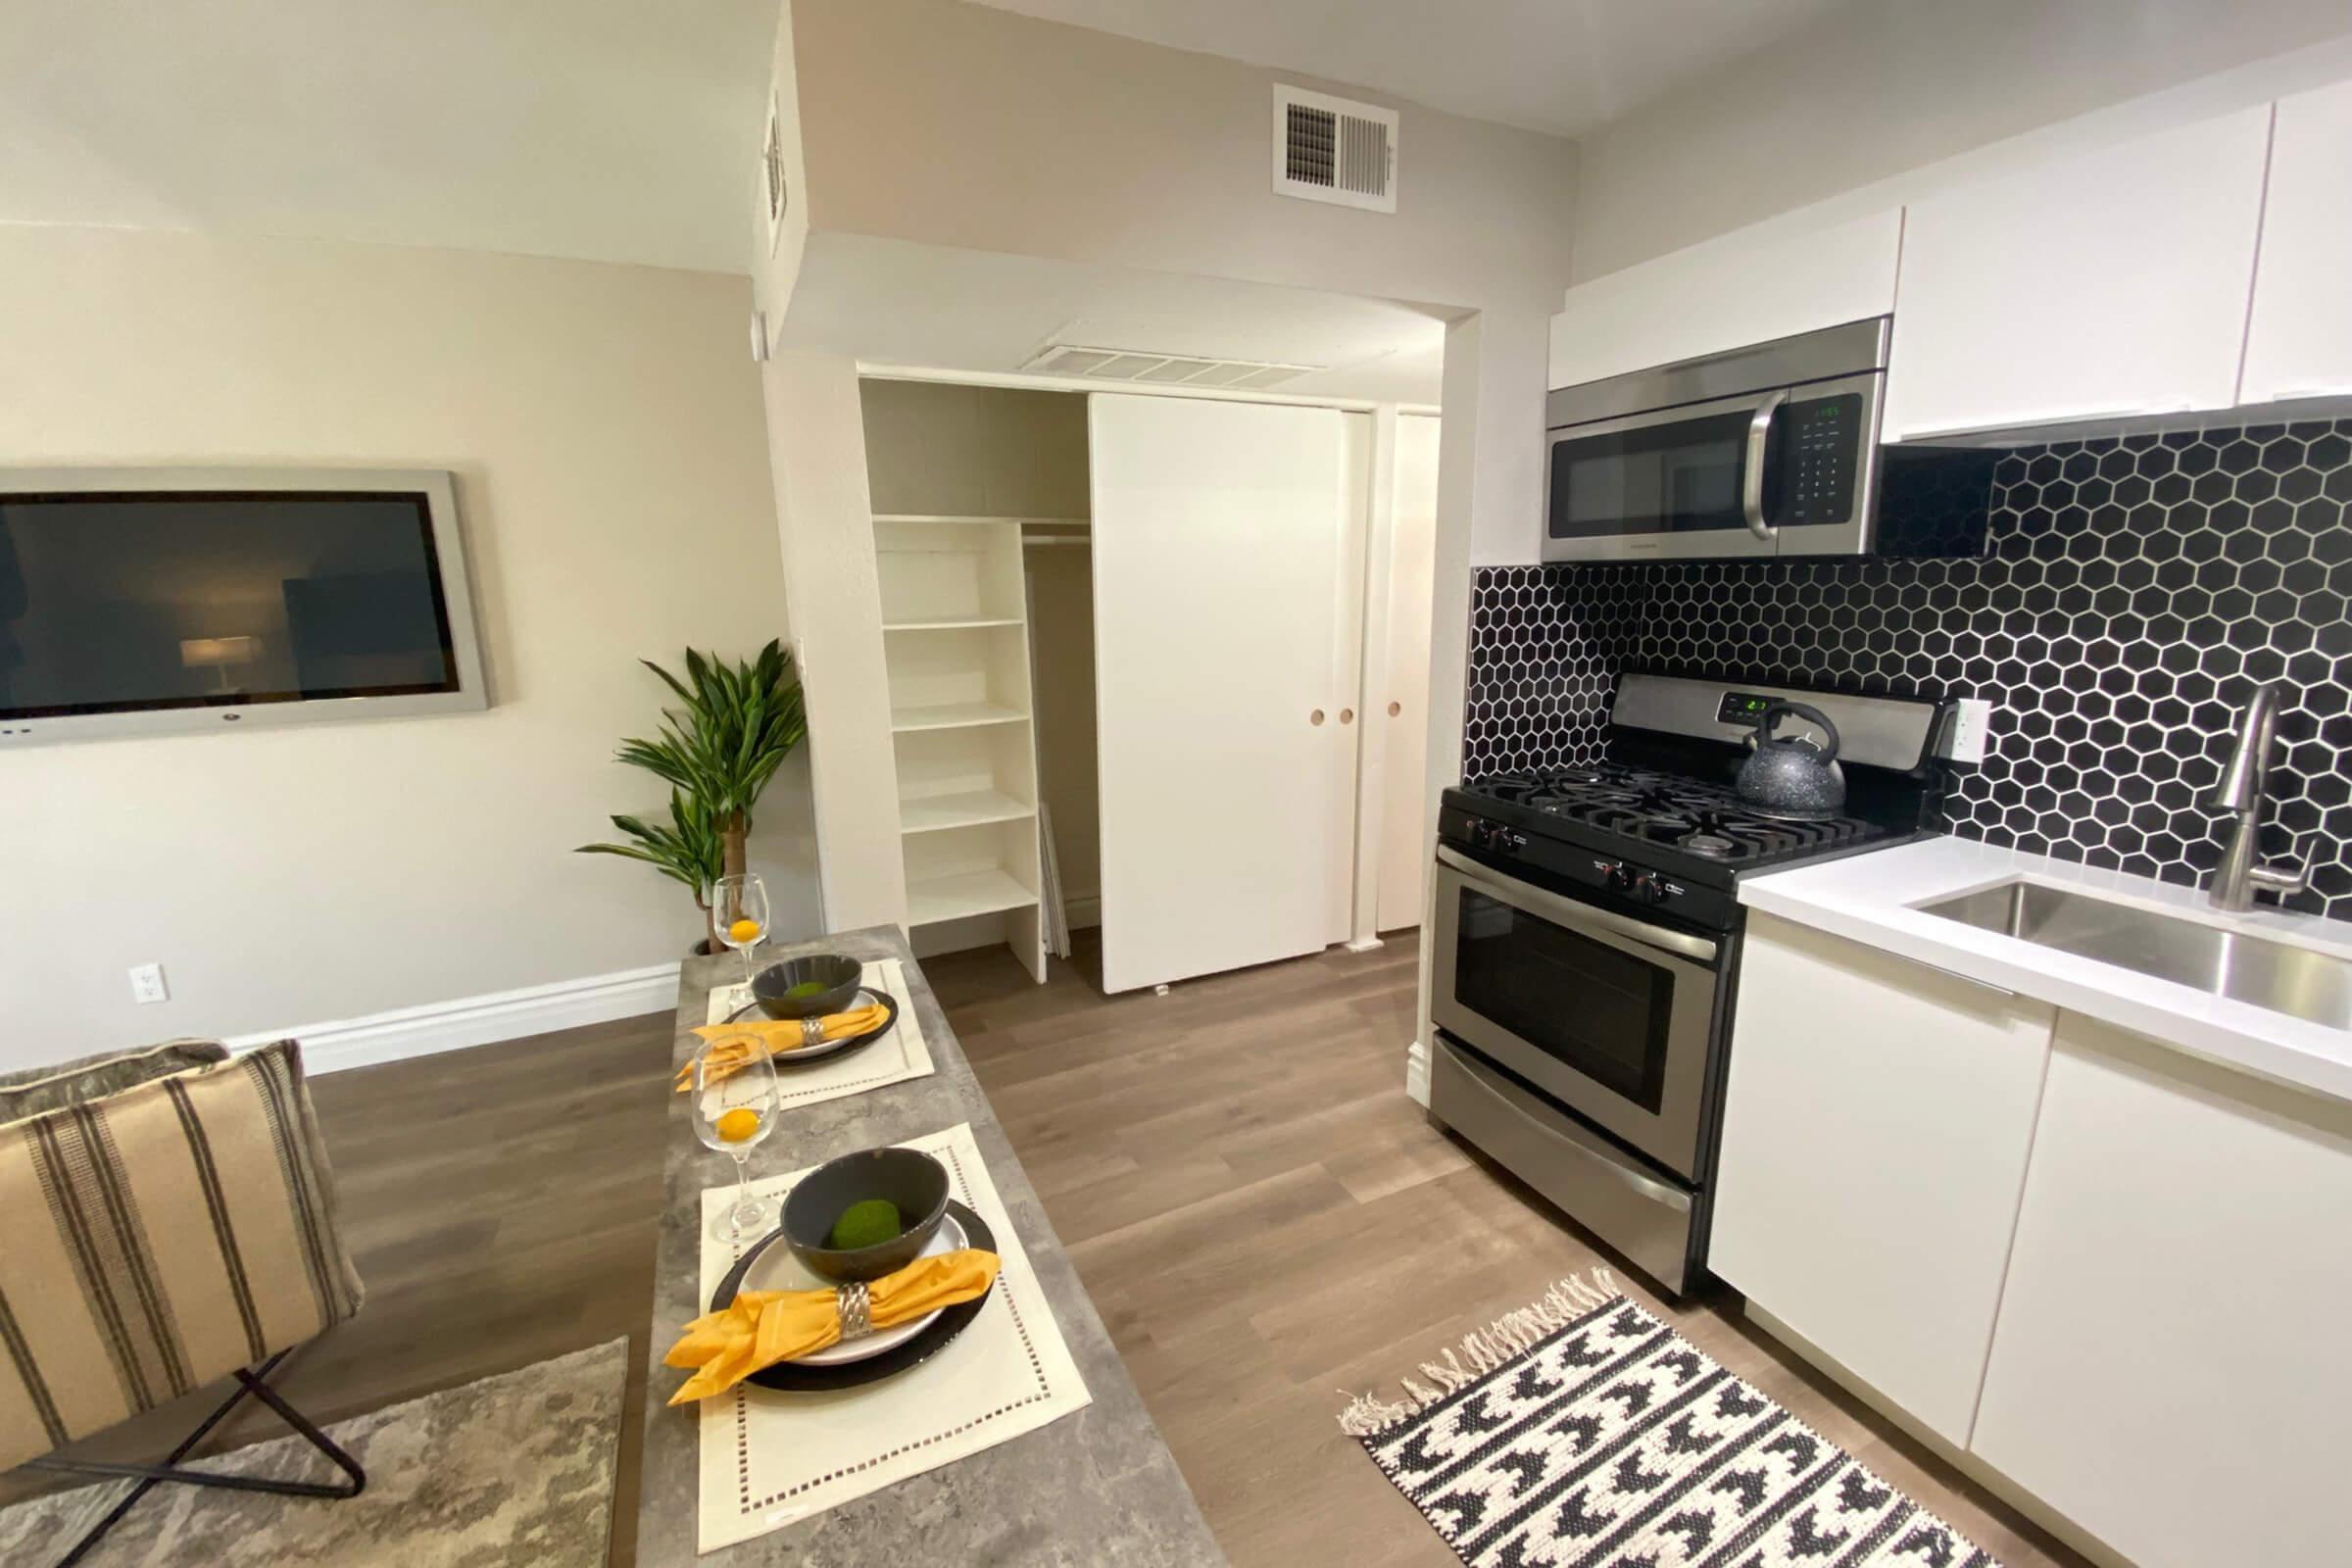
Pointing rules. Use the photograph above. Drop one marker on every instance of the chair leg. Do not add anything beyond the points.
(250, 1380)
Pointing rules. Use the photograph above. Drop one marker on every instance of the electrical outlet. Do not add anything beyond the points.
(147, 984)
(1972, 728)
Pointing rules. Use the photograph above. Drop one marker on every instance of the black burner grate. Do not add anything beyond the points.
(1666, 809)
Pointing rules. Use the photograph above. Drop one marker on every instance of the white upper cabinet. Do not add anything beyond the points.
(2171, 1369)
(2104, 284)
(1875, 1136)
(1725, 294)
(2299, 344)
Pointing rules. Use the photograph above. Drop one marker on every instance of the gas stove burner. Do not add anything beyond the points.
(1667, 812)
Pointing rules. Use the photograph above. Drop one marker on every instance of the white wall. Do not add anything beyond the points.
(604, 423)
(1877, 89)
(603, 129)
(776, 257)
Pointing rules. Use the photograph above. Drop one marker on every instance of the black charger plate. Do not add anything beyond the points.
(952, 1321)
(833, 1048)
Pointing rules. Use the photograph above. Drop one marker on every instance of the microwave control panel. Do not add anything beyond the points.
(1824, 448)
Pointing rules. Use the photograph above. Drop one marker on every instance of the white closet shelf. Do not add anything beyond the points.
(953, 716)
(951, 624)
(969, 893)
(930, 814)
(960, 516)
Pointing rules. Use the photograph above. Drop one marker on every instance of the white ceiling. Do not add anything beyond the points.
(893, 302)
(614, 130)
(1556, 65)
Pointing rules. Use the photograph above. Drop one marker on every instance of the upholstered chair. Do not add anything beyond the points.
(166, 1221)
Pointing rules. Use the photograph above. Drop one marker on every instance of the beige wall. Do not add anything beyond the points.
(1875, 90)
(950, 123)
(604, 423)
(987, 451)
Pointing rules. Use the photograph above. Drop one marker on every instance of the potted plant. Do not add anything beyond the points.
(718, 753)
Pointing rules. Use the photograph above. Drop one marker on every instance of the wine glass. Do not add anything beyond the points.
(734, 1110)
(739, 914)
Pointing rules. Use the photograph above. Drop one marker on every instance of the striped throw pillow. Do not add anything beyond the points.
(157, 1239)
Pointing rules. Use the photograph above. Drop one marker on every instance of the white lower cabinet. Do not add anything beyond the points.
(2173, 1365)
(1875, 1138)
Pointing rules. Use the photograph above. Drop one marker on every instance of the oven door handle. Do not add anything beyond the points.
(1572, 913)
(1752, 469)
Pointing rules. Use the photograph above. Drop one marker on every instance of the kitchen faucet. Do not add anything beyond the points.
(2238, 877)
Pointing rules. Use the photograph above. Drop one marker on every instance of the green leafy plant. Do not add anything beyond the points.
(717, 752)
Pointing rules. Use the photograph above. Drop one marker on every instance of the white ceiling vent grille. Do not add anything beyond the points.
(1161, 369)
(1331, 150)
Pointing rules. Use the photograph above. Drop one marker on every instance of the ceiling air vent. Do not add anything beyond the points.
(1161, 370)
(1331, 150)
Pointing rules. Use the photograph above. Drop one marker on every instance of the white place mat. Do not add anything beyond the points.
(894, 1059)
(771, 1457)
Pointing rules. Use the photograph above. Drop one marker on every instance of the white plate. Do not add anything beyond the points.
(776, 1269)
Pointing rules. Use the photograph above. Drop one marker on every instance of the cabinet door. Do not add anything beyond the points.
(1874, 1143)
(1728, 293)
(2103, 284)
(1218, 555)
(2172, 1369)
(2299, 343)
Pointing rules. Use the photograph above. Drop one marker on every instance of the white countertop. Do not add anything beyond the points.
(1870, 899)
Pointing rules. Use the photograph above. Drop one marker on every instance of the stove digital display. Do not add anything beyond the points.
(1741, 708)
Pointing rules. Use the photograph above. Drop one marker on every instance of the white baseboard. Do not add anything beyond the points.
(1083, 910)
(1416, 1074)
(438, 1026)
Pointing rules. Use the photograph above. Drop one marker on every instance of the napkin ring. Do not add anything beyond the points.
(813, 1031)
(856, 1308)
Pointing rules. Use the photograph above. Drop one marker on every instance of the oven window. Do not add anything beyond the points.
(1678, 476)
(1601, 1012)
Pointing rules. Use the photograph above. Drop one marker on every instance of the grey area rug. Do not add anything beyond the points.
(1583, 1432)
(512, 1470)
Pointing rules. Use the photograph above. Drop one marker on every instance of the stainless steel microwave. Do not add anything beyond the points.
(1768, 450)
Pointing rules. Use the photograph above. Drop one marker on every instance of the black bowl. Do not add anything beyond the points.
(836, 974)
(912, 1181)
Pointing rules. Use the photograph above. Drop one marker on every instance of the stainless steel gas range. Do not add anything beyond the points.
(1586, 944)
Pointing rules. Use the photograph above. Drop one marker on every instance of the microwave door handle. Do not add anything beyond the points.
(1751, 474)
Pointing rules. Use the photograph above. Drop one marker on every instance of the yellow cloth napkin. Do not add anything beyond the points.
(760, 1328)
(777, 1037)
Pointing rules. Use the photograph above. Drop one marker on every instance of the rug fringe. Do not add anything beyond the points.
(1482, 1351)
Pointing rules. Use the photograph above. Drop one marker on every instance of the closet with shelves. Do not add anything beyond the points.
(956, 475)
(1121, 633)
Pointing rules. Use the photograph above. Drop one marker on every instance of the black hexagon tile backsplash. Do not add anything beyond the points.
(2132, 592)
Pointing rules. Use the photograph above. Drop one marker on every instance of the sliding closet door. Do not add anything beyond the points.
(1217, 530)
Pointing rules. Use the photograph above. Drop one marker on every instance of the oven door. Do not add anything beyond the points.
(1697, 482)
(1606, 1013)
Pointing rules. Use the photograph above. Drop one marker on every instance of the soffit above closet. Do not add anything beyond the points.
(892, 302)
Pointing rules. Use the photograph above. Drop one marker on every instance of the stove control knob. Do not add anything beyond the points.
(1482, 833)
(1648, 889)
(1621, 880)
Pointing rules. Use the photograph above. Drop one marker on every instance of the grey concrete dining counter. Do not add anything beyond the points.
(1097, 1486)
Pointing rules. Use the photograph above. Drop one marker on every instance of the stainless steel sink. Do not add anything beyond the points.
(2292, 980)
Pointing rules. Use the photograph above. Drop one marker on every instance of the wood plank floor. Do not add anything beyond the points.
(1264, 1219)
(1267, 1223)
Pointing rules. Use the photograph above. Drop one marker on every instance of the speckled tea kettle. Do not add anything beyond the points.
(1794, 777)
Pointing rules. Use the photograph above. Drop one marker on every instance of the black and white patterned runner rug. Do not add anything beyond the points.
(1583, 1432)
